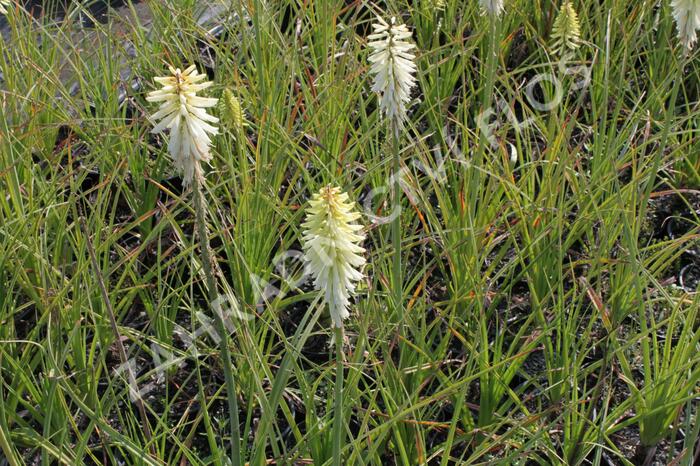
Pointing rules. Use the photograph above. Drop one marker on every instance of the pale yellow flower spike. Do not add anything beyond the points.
(332, 252)
(184, 114)
(4, 4)
(566, 31)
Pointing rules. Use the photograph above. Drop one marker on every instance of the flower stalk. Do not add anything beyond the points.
(183, 113)
(338, 420)
(394, 69)
(332, 251)
(491, 59)
(397, 272)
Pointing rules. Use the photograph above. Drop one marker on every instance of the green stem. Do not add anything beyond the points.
(491, 60)
(257, 23)
(200, 209)
(490, 65)
(397, 278)
(338, 424)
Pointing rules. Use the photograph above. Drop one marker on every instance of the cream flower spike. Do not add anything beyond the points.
(3, 6)
(331, 248)
(492, 7)
(184, 114)
(566, 31)
(687, 15)
(393, 67)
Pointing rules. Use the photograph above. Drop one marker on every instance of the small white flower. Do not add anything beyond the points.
(393, 68)
(492, 7)
(687, 15)
(3, 6)
(182, 111)
(331, 249)
(566, 31)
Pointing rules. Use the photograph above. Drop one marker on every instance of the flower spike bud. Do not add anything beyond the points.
(331, 249)
(393, 67)
(492, 7)
(183, 112)
(687, 15)
(230, 109)
(566, 31)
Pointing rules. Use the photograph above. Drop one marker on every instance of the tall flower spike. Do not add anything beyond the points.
(184, 114)
(331, 248)
(393, 67)
(492, 7)
(566, 31)
(687, 15)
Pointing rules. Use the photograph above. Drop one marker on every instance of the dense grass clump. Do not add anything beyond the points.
(517, 245)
